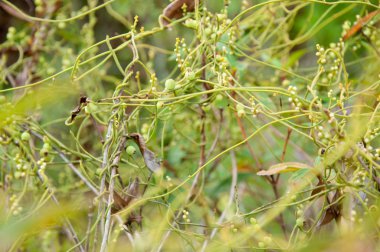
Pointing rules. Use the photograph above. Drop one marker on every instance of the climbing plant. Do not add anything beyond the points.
(189, 125)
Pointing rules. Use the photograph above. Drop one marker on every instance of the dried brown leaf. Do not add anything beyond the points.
(149, 157)
(174, 10)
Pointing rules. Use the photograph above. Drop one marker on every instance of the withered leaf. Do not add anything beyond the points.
(359, 24)
(121, 202)
(174, 10)
(333, 212)
(83, 101)
(149, 157)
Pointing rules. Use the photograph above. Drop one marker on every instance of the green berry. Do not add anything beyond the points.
(61, 25)
(219, 97)
(299, 212)
(219, 58)
(208, 31)
(98, 171)
(46, 147)
(160, 104)
(131, 150)
(25, 136)
(170, 84)
(191, 23)
(300, 221)
(12, 30)
(18, 175)
(221, 16)
(206, 107)
(191, 76)
(220, 102)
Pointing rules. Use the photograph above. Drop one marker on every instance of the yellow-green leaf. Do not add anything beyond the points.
(284, 167)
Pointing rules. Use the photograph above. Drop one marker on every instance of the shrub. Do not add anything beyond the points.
(212, 125)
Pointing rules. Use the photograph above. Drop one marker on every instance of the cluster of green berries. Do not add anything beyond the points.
(22, 166)
(181, 50)
(300, 216)
(266, 242)
(294, 101)
(330, 60)
(39, 6)
(185, 216)
(15, 208)
(360, 177)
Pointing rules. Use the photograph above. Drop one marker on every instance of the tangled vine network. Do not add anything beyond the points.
(189, 125)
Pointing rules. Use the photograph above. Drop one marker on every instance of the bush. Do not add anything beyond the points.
(218, 126)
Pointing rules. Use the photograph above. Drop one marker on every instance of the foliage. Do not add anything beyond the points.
(125, 125)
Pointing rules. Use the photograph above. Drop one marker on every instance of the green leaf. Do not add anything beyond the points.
(294, 57)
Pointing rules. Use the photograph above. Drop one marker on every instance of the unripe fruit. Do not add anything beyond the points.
(206, 107)
(46, 147)
(219, 58)
(170, 84)
(299, 212)
(300, 221)
(25, 136)
(208, 31)
(98, 172)
(221, 16)
(191, 76)
(61, 25)
(220, 102)
(191, 23)
(131, 150)
(160, 104)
